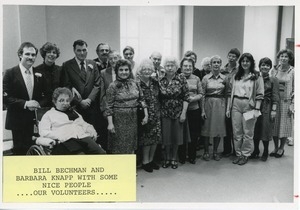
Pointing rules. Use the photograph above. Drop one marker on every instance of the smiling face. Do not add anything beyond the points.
(246, 63)
(113, 58)
(232, 58)
(187, 68)
(123, 72)
(103, 52)
(284, 59)
(63, 102)
(81, 52)
(50, 57)
(28, 57)
(264, 69)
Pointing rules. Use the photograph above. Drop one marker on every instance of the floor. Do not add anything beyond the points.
(221, 181)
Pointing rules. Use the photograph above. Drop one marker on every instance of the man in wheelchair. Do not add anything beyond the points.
(63, 129)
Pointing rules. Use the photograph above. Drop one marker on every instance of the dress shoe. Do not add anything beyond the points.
(216, 157)
(226, 154)
(272, 154)
(182, 161)
(264, 158)
(254, 155)
(243, 161)
(192, 161)
(154, 165)
(147, 167)
(237, 159)
(279, 153)
(206, 157)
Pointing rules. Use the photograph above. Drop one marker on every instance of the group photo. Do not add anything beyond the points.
(203, 96)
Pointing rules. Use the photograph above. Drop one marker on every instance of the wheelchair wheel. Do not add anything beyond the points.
(36, 150)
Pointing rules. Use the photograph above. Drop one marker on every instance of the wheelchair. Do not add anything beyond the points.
(39, 149)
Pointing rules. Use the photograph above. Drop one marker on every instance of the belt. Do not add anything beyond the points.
(239, 97)
(214, 96)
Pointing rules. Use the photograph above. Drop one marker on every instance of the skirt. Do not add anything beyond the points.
(283, 123)
(215, 124)
(174, 132)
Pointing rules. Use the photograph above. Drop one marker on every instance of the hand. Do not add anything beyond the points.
(92, 132)
(191, 98)
(32, 105)
(291, 110)
(256, 113)
(76, 94)
(273, 115)
(228, 114)
(182, 117)
(145, 120)
(85, 103)
(203, 115)
(111, 128)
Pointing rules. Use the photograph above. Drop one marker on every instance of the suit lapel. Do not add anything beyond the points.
(89, 71)
(76, 69)
(20, 78)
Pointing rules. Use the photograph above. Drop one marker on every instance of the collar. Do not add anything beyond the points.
(78, 61)
(23, 69)
(211, 75)
(102, 62)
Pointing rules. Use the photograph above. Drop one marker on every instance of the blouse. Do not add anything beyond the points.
(123, 94)
(173, 94)
(195, 88)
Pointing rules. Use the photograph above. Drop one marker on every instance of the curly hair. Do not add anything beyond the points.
(122, 62)
(59, 91)
(189, 60)
(48, 47)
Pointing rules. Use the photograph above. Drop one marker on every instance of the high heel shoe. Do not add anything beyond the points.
(279, 155)
(166, 164)
(272, 154)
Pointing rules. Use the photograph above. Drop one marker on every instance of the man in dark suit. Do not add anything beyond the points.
(102, 51)
(82, 77)
(24, 90)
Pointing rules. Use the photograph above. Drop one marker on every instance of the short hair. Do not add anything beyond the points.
(235, 51)
(288, 52)
(27, 45)
(128, 48)
(59, 91)
(122, 62)
(189, 60)
(215, 57)
(114, 52)
(205, 61)
(80, 43)
(265, 60)
(47, 47)
(189, 53)
(171, 59)
(146, 63)
(97, 48)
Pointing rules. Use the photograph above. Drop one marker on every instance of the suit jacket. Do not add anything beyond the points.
(15, 95)
(100, 64)
(88, 87)
(106, 79)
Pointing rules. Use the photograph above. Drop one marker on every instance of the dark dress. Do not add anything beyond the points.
(123, 98)
(264, 125)
(151, 132)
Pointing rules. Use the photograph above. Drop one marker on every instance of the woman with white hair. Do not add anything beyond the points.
(150, 133)
(205, 67)
(213, 108)
(174, 92)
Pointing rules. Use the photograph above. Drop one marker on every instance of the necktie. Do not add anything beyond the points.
(82, 69)
(28, 82)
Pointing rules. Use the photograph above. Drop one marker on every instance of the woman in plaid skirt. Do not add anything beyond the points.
(284, 72)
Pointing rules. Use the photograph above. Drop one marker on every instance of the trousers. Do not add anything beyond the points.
(243, 130)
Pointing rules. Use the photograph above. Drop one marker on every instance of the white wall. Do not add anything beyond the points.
(260, 32)
(287, 25)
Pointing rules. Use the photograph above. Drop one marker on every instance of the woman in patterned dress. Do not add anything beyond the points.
(283, 129)
(123, 97)
(264, 125)
(213, 108)
(174, 92)
(150, 134)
